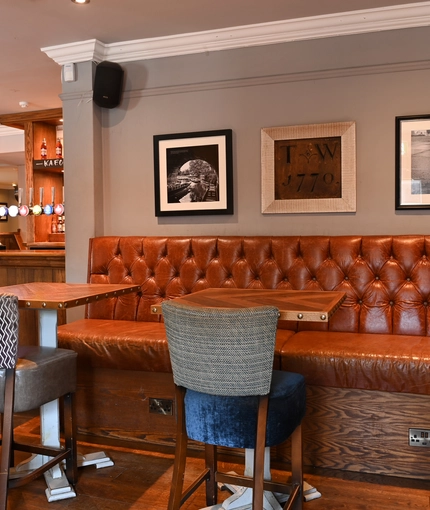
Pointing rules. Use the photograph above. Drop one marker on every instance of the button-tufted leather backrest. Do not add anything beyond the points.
(386, 278)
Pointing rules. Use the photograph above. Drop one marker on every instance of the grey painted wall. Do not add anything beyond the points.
(369, 79)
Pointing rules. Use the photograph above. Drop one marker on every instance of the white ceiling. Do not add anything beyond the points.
(26, 26)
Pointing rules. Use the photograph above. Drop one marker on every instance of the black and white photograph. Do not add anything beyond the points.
(193, 173)
(3, 211)
(413, 162)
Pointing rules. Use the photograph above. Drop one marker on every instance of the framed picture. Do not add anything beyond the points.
(413, 162)
(308, 169)
(3, 208)
(193, 173)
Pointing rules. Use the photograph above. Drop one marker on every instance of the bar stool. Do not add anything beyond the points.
(227, 394)
(30, 377)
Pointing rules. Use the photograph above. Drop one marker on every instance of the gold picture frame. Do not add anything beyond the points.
(309, 168)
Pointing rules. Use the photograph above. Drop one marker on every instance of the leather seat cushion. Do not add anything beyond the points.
(42, 374)
(395, 363)
(127, 345)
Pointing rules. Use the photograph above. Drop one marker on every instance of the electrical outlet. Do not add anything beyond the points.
(161, 406)
(419, 437)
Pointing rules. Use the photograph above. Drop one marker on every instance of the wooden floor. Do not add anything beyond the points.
(140, 480)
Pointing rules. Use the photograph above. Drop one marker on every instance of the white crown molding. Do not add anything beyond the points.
(269, 80)
(315, 27)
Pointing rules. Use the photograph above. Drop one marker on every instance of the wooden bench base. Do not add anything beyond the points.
(354, 430)
(364, 431)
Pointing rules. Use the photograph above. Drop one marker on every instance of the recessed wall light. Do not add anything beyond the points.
(81, 1)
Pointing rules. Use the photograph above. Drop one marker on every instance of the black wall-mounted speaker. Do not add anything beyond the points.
(107, 88)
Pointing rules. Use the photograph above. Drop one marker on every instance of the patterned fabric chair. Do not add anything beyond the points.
(29, 378)
(227, 394)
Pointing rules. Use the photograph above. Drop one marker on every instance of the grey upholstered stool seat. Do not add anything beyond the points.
(29, 378)
(42, 374)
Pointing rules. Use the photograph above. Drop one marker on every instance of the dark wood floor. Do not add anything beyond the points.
(140, 480)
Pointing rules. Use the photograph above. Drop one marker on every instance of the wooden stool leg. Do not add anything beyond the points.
(260, 445)
(180, 453)
(297, 468)
(7, 435)
(70, 437)
(211, 465)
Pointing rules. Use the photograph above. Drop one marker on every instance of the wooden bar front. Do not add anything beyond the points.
(27, 266)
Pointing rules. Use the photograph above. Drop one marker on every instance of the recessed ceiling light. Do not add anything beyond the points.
(81, 1)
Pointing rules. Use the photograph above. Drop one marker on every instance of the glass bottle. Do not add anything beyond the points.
(43, 149)
(59, 149)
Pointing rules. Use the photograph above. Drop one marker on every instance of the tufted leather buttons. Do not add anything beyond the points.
(346, 277)
(376, 277)
(391, 303)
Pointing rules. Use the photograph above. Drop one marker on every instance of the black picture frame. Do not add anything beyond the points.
(193, 173)
(412, 163)
(5, 217)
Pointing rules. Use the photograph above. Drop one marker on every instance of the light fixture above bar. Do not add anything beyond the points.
(81, 1)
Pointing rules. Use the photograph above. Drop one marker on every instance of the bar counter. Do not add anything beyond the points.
(25, 266)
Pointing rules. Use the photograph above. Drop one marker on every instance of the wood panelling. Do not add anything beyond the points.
(364, 431)
(18, 120)
(114, 404)
(12, 240)
(354, 430)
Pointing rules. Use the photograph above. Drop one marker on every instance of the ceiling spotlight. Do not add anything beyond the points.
(23, 104)
(81, 1)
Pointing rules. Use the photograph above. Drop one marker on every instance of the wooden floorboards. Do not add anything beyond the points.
(140, 480)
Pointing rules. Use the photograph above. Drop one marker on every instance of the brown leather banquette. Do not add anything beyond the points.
(377, 340)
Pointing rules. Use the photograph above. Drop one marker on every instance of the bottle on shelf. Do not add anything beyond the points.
(59, 149)
(60, 224)
(54, 225)
(43, 149)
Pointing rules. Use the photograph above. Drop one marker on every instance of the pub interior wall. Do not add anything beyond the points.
(369, 79)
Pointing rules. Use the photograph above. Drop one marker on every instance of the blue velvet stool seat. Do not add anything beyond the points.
(232, 421)
(227, 394)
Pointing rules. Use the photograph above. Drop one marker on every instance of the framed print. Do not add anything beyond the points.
(308, 169)
(193, 173)
(413, 162)
(3, 211)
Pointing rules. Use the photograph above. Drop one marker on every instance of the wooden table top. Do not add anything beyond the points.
(48, 295)
(302, 305)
